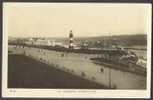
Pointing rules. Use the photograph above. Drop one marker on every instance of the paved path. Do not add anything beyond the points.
(25, 72)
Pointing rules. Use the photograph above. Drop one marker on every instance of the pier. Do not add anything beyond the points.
(80, 65)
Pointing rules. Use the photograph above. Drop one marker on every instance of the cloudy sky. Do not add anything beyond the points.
(85, 19)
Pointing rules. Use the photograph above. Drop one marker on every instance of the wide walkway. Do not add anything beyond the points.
(24, 72)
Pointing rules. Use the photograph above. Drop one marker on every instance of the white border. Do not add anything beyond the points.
(74, 93)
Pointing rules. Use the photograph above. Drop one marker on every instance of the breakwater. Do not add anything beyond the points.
(80, 64)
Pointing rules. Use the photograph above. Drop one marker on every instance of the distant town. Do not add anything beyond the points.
(137, 41)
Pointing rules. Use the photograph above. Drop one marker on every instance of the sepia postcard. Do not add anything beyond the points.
(76, 50)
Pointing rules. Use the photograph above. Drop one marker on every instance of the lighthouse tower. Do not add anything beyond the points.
(71, 40)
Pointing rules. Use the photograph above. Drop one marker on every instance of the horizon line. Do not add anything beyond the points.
(75, 36)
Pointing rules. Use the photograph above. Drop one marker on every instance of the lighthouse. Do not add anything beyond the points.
(71, 40)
